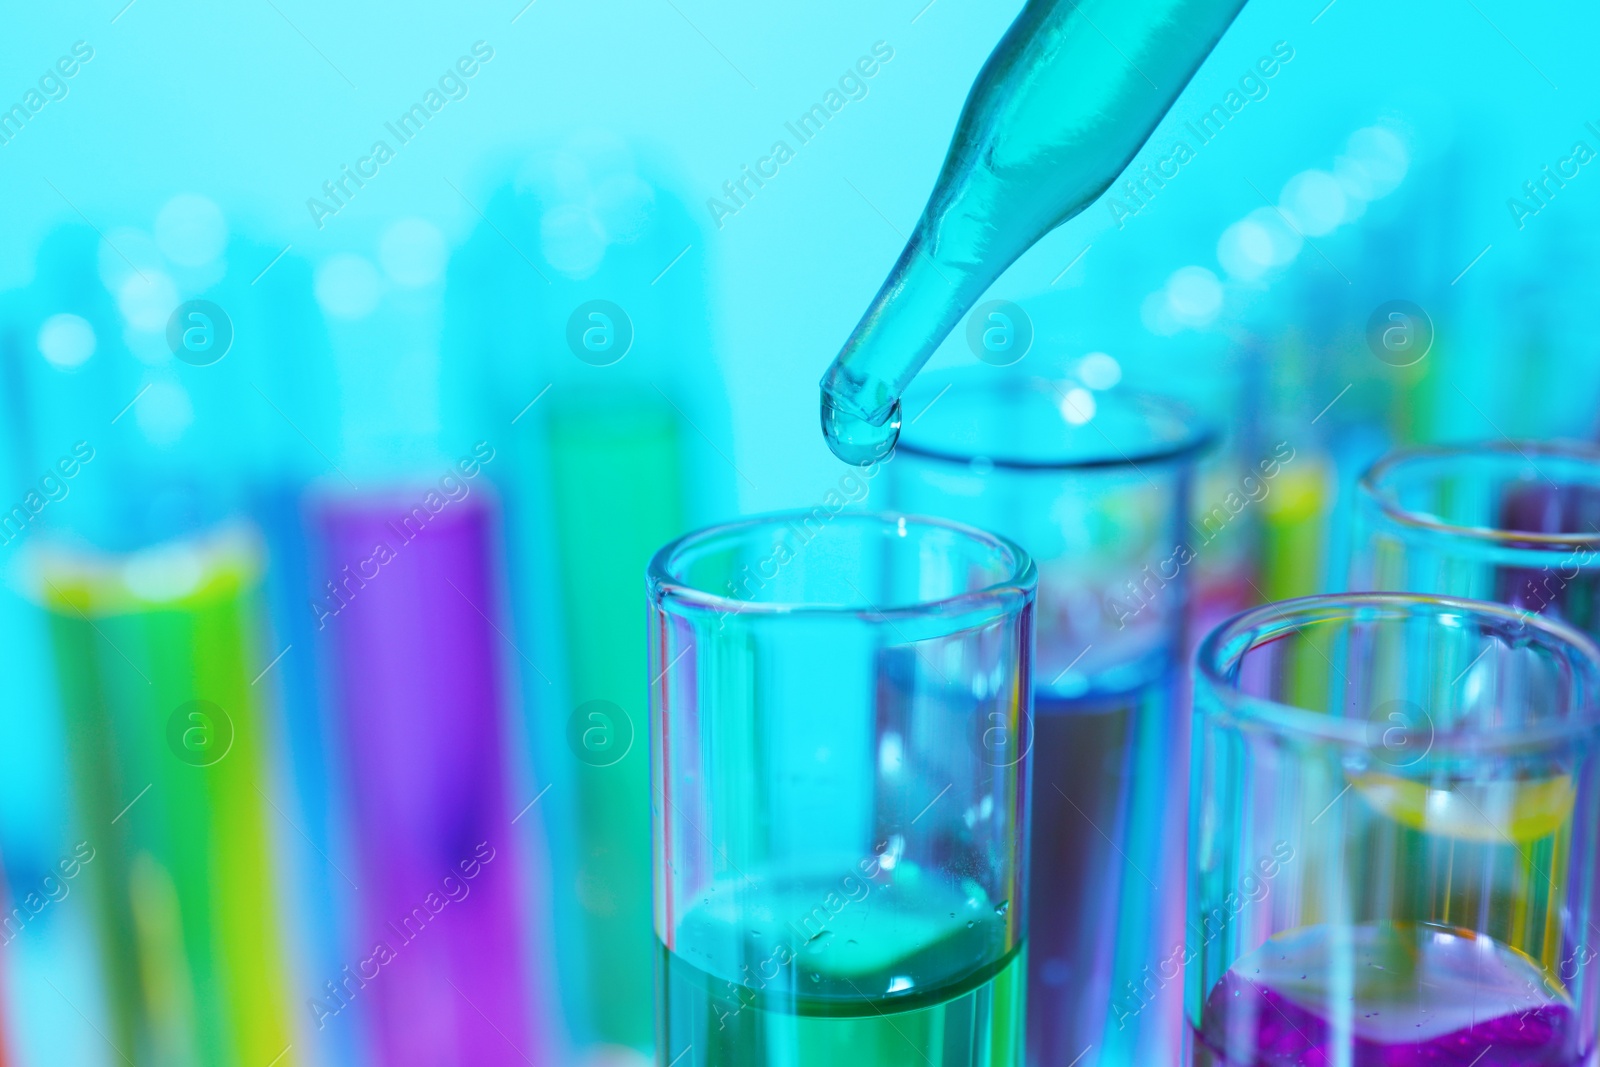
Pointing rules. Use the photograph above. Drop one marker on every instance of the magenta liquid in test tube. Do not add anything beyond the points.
(416, 681)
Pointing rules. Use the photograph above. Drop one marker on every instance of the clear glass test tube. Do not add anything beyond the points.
(839, 792)
(1513, 522)
(1096, 487)
(1392, 837)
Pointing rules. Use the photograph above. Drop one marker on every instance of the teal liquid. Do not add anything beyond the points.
(1068, 97)
(813, 974)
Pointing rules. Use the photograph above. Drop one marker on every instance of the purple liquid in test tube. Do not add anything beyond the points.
(417, 686)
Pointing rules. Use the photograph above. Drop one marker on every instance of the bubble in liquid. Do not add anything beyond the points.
(854, 439)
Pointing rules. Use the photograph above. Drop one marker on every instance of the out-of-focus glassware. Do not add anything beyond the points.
(418, 679)
(155, 652)
(1097, 488)
(150, 580)
(1513, 522)
(574, 312)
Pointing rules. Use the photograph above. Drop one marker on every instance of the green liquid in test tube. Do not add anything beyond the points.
(614, 464)
(164, 730)
(1071, 93)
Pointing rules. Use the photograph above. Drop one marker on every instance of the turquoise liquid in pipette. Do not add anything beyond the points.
(1071, 93)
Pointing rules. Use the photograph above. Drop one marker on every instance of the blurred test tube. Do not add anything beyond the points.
(577, 299)
(406, 612)
(151, 589)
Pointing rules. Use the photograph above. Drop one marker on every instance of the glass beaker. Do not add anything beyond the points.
(1513, 522)
(1096, 487)
(840, 792)
(1392, 837)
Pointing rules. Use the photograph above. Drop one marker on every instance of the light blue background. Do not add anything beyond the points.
(256, 104)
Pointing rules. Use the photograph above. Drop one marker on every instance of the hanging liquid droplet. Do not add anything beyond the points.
(854, 439)
(1002, 907)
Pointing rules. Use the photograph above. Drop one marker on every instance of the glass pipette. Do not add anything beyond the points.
(1070, 94)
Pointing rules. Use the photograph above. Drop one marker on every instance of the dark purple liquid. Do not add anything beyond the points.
(1097, 855)
(1410, 995)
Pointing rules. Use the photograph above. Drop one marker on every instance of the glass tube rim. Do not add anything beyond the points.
(1198, 437)
(1257, 626)
(664, 586)
(1373, 488)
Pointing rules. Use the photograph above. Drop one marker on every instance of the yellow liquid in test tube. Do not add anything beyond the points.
(1491, 813)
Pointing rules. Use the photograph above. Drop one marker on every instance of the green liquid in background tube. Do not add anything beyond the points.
(154, 654)
(616, 487)
(1071, 93)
